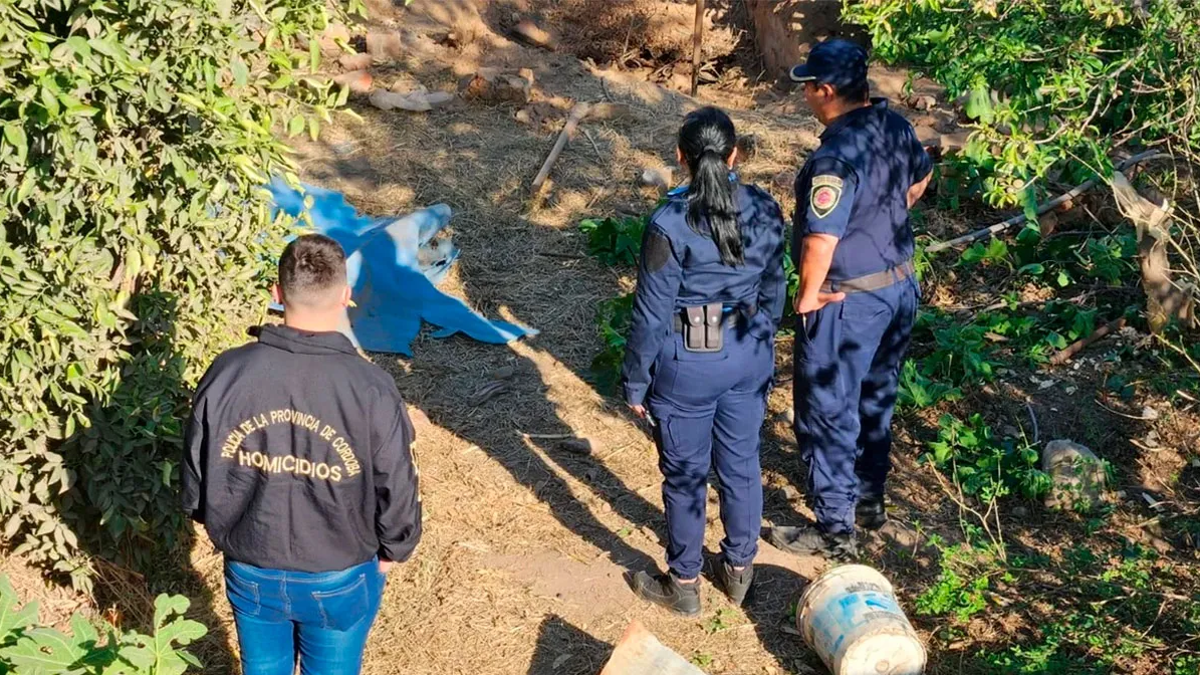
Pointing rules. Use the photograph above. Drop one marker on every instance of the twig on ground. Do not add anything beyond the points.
(1121, 414)
(1182, 352)
(1034, 420)
(1081, 344)
(599, 157)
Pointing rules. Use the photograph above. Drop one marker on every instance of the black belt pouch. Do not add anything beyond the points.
(702, 331)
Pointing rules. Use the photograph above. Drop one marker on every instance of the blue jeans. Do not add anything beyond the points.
(324, 616)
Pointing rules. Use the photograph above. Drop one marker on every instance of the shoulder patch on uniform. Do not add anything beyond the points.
(825, 194)
(656, 252)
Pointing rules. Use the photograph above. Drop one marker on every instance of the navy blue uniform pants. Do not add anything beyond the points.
(709, 410)
(847, 367)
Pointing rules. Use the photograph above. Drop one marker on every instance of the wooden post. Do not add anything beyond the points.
(697, 43)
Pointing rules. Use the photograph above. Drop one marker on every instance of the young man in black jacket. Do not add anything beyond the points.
(298, 462)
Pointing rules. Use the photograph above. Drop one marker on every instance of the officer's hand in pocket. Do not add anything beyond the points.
(804, 306)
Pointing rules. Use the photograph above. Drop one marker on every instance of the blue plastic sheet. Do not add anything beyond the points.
(392, 292)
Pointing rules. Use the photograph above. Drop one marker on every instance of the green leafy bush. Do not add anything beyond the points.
(136, 136)
(28, 649)
(994, 252)
(1050, 85)
(983, 466)
(616, 241)
(916, 390)
(614, 318)
(960, 354)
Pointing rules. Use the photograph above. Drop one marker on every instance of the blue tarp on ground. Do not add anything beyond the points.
(392, 293)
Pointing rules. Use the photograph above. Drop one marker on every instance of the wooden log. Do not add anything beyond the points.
(1053, 203)
(577, 114)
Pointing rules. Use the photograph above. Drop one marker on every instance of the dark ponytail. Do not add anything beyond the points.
(707, 139)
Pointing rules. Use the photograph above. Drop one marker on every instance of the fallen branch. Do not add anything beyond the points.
(577, 114)
(1081, 344)
(1043, 208)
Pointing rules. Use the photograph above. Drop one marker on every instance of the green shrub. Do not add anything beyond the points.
(28, 649)
(1050, 85)
(981, 465)
(616, 241)
(136, 136)
(614, 318)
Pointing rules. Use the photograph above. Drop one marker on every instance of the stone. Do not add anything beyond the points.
(1078, 475)
(504, 373)
(579, 446)
(334, 34)
(1048, 223)
(499, 85)
(922, 102)
(358, 81)
(414, 101)
(784, 180)
(747, 147)
(385, 46)
(356, 61)
(528, 32)
(658, 178)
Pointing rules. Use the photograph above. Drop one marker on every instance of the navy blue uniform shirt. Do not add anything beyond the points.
(682, 268)
(855, 187)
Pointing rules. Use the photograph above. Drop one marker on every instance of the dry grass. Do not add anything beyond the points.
(526, 541)
(520, 569)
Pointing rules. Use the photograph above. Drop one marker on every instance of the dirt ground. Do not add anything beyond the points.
(527, 539)
(527, 542)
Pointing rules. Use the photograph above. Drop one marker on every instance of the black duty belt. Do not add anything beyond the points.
(871, 282)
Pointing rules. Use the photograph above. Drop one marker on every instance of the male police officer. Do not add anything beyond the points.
(857, 299)
(298, 462)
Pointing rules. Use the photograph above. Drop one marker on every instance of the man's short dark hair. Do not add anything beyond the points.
(312, 270)
(859, 92)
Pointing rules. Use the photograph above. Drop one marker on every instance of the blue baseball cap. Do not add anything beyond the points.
(838, 62)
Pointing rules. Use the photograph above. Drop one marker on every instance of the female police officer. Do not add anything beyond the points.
(700, 356)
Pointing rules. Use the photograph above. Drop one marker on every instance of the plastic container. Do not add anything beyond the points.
(851, 618)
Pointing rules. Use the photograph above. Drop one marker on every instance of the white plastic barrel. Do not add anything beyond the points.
(851, 618)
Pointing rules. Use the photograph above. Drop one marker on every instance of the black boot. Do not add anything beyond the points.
(808, 540)
(735, 583)
(870, 513)
(666, 591)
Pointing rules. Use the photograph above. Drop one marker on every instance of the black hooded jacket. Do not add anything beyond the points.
(298, 456)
